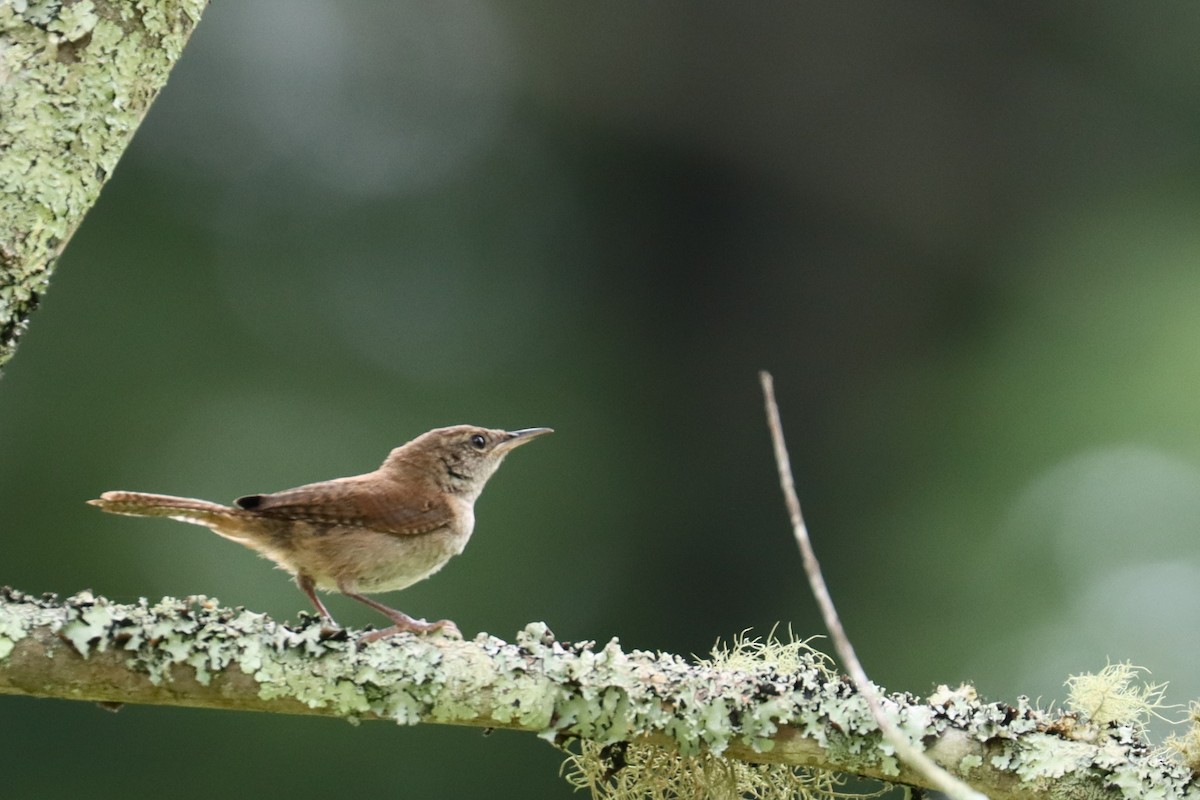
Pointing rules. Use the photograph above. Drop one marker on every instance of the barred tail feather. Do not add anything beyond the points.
(184, 509)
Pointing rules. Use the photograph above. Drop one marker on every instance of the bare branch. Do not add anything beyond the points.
(937, 777)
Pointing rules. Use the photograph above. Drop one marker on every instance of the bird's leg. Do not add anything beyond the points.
(309, 588)
(401, 622)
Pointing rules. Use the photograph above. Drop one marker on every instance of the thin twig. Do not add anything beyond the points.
(938, 777)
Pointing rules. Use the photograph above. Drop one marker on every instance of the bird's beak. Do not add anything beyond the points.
(518, 438)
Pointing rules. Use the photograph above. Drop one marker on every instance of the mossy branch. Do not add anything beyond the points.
(76, 79)
(758, 710)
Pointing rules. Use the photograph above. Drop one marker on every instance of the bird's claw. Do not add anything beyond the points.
(417, 626)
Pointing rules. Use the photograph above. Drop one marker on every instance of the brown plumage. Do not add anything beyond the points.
(377, 532)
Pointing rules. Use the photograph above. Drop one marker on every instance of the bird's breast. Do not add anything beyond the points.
(368, 561)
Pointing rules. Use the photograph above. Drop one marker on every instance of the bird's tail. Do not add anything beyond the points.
(184, 509)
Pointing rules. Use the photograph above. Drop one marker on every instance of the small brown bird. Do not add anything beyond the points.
(377, 532)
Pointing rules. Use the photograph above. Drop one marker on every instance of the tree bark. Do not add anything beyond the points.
(194, 653)
(76, 79)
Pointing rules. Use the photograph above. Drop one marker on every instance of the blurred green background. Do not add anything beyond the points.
(963, 237)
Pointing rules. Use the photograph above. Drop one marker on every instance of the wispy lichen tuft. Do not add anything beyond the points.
(1187, 746)
(1114, 696)
(624, 770)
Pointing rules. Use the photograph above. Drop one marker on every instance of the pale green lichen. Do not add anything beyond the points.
(74, 21)
(76, 79)
(90, 626)
(1186, 746)
(1082, 759)
(968, 763)
(625, 771)
(1115, 696)
(1041, 756)
(619, 702)
(13, 628)
(616, 769)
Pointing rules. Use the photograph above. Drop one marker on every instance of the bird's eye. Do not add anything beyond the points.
(478, 442)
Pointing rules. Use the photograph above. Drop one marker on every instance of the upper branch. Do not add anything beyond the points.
(76, 79)
(193, 653)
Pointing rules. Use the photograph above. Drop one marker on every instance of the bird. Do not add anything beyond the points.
(381, 531)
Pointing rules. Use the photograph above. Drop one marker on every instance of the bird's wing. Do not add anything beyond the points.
(386, 507)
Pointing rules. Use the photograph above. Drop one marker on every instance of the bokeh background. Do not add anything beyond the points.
(964, 237)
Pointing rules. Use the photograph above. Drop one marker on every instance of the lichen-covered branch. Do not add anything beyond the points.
(194, 653)
(76, 79)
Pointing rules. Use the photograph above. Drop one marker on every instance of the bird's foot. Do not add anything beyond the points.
(409, 625)
(328, 628)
